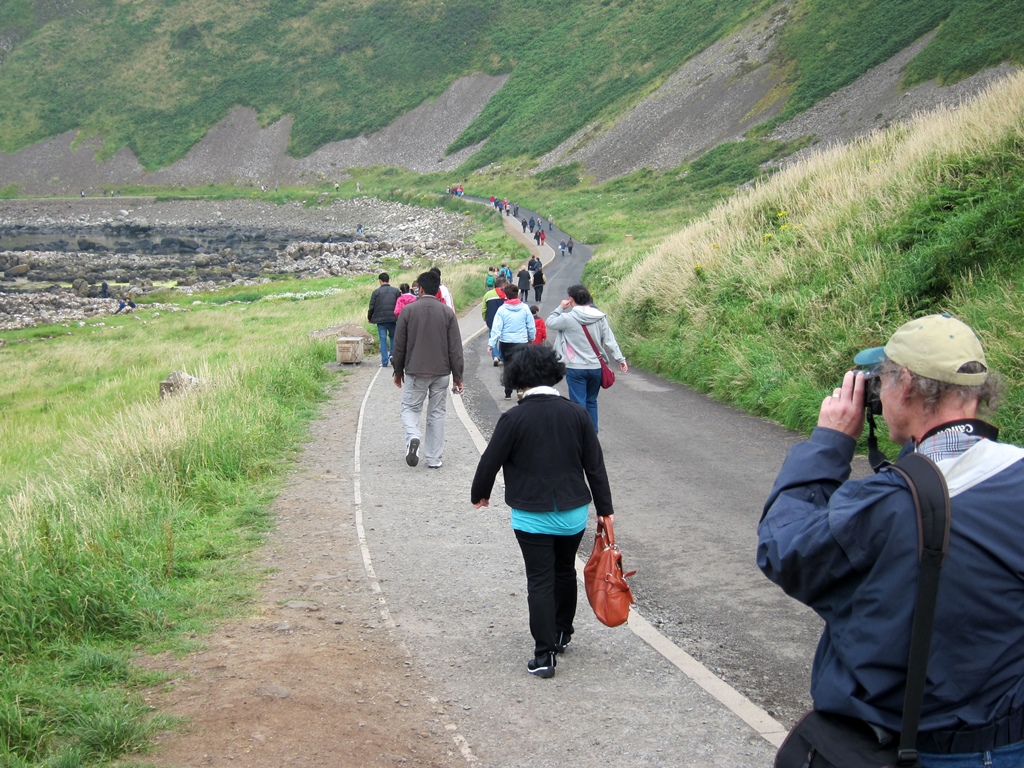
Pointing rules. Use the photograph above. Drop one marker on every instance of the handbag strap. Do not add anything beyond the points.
(592, 344)
(604, 525)
(931, 501)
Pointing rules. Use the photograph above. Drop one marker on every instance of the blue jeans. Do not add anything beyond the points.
(1010, 756)
(584, 385)
(386, 331)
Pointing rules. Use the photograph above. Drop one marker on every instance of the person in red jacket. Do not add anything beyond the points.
(542, 327)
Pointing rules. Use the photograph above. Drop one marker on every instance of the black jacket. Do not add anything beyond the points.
(382, 304)
(550, 453)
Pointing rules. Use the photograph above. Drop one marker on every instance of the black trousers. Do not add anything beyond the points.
(509, 348)
(550, 585)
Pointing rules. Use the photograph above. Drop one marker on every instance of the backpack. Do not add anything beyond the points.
(490, 280)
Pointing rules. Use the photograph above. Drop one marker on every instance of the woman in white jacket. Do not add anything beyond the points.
(582, 365)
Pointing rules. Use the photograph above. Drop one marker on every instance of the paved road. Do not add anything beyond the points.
(689, 476)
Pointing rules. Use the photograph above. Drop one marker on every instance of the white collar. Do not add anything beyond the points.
(542, 390)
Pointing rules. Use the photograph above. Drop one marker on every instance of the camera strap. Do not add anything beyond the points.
(876, 458)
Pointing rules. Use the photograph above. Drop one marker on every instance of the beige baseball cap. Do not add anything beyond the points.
(934, 346)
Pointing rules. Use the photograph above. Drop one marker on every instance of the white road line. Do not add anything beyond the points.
(382, 605)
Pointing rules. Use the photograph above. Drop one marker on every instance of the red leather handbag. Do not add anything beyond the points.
(607, 374)
(607, 590)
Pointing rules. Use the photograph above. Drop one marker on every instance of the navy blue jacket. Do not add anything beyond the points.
(848, 549)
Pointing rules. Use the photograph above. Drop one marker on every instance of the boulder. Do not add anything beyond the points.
(178, 383)
(17, 270)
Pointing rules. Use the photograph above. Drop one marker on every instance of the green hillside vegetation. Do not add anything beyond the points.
(156, 76)
(764, 301)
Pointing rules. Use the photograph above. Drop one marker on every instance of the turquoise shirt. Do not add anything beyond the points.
(557, 523)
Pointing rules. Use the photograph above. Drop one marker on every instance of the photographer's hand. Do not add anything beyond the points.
(844, 410)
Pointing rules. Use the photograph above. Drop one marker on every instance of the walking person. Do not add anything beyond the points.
(513, 328)
(523, 280)
(561, 247)
(583, 366)
(428, 350)
(443, 293)
(553, 468)
(848, 548)
(551, 223)
(538, 282)
(406, 296)
(542, 330)
(569, 245)
(382, 313)
(489, 307)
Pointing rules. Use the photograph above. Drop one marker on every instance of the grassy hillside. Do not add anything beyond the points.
(156, 76)
(764, 301)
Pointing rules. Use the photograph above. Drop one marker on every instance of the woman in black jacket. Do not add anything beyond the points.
(553, 467)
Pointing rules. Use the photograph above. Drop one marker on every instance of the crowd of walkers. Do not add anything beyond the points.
(548, 446)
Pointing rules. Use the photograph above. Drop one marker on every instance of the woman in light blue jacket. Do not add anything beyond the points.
(513, 327)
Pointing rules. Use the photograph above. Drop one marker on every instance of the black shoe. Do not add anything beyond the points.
(564, 638)
(411, 458)
(542, 666)
(497, 362)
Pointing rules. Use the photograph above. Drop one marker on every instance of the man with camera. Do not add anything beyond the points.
(849, 550)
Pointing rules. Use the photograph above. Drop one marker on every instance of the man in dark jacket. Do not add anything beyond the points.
(428, 349)
(382, 314)
(849, 550)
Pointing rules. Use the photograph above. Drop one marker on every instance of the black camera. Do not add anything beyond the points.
(873, 407)
(873, 392)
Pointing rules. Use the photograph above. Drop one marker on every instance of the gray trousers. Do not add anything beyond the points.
(433, 390)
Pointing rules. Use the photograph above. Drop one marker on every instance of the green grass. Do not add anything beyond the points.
(155, 77)
(775, 290)
(128, 520)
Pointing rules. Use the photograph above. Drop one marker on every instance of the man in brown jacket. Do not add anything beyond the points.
(428, 347)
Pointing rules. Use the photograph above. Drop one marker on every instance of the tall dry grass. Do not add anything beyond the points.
(822, 204)
(764, 301)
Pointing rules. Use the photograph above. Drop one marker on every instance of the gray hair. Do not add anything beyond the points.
(932, 392)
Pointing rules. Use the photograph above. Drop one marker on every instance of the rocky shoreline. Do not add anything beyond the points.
(67, 260)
